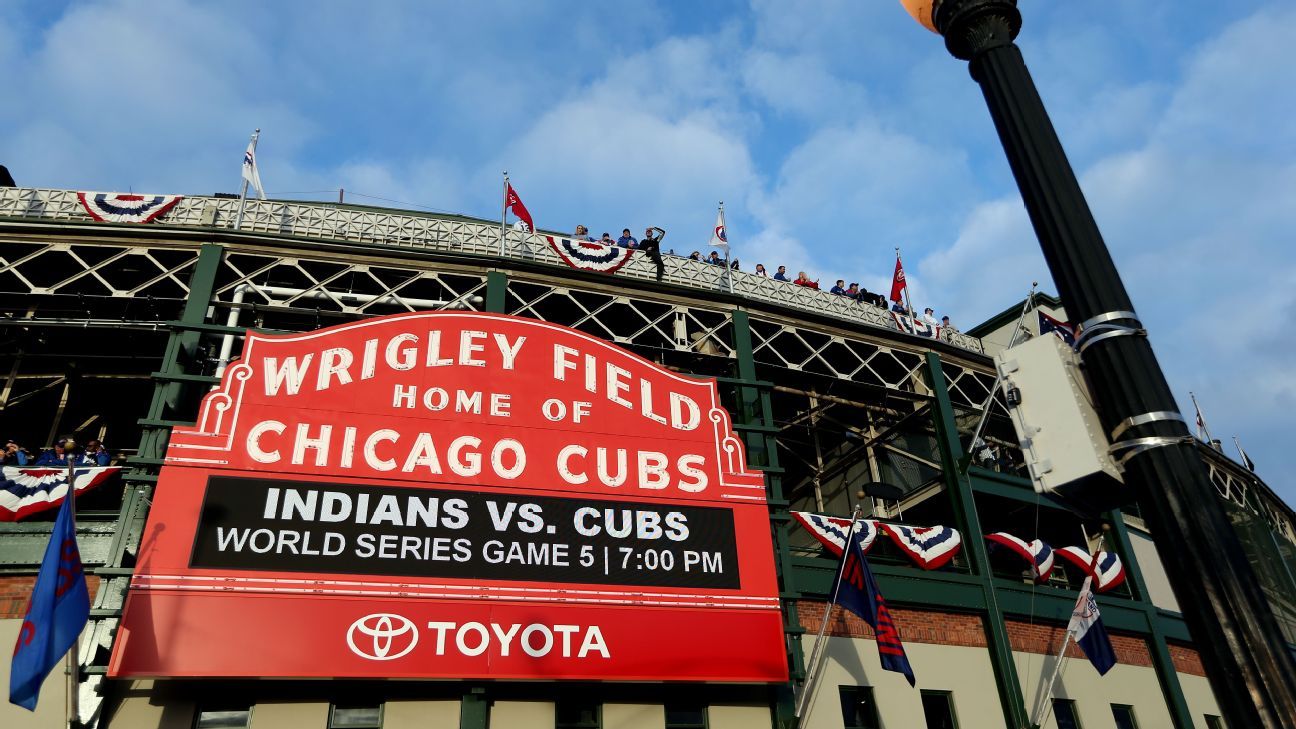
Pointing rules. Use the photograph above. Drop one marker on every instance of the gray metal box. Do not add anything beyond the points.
(1060, 435)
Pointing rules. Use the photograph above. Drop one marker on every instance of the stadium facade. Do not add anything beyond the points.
(117, 331)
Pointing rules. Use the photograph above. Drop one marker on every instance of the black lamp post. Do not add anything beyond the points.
(1250, 671)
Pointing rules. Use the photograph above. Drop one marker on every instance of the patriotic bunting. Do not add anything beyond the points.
(929, 547)
(589, 256)
(1107, 574)
(1036, 553)
(113, 207)
(916, 327)
(831, 531)
(25, 491)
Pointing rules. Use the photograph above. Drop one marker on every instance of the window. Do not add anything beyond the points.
(1064, 712)
(353, 716)
(686, 716)
(938, 709)
(1124, 716)
(578, 715)
(858, 709)
(1214, 722)
(223, 717)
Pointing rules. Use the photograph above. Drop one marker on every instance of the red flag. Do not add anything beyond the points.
(514, 203)
(897, 281)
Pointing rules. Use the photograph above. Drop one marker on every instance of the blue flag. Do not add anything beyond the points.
(1049, 325)
(56, 615)
(857, 591)
(1090, 634)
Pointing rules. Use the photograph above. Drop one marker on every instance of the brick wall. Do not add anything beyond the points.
(1186, 659)
(1044, 638)
(15, 590)
(915, 626)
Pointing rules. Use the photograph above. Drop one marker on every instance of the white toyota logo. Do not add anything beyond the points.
(382, 636)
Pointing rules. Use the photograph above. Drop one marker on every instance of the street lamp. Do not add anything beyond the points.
(1250, 671)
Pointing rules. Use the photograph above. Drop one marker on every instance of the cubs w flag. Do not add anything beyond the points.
(56, 614)
(857, 591)
(1087, 627)
(250, 172)
(719, 238)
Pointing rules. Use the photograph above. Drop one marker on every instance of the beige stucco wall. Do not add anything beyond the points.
(634, 716)
(522, 715)
(755, 716)
(50, 709)
(421, 714)
(967, 672)
(1136, 686)
(143, 706)
(1201, 700)
(1154, 574)
(289, 714)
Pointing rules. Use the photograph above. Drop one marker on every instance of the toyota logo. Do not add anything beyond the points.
(382, 636)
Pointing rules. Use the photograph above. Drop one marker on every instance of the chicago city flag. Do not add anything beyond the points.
(857, 591)
(1087, 628)
(56, 614)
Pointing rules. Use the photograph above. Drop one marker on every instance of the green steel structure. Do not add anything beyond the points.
(118, 329)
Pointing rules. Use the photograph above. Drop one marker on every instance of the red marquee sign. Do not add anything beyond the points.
(455, 495)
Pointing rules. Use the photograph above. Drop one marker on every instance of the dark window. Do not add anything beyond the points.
(1064, 712)
(1124, 716)
(1214, 722)
(858, 709)
(686, 716)
(578, 715)
(350, 716)
(223, 717)
(938, 709)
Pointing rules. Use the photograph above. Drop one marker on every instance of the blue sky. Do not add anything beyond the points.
(833, 130)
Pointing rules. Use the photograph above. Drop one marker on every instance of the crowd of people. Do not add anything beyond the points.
(651, 243)
(65, 451)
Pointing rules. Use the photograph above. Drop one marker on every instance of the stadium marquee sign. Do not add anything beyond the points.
(453, 495)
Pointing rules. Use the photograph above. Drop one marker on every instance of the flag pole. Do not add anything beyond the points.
(908, 303)
(811, 682)
(1041, 708)
(1201, 421)
(985, 406)
(74, 653)
(504, 214)
(728, 270)
(238, 220)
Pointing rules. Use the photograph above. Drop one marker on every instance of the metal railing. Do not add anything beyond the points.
(455, 235)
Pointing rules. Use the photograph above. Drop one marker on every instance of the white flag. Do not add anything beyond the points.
(250, 172)
(718, 237)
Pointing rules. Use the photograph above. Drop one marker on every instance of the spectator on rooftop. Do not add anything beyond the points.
(837, 288)
(871, 298)
(582, 233)
(607, 240)
(695, 256)
(929, 317)
(59, 454)
(715, 258)
(734, 264)
(781, 274)
(853, 291)
(803, 280)
(760, 270)
(626, 240)
(651, 244)
(16, 455)
(899, 308)
(947, 326)
(95, 454)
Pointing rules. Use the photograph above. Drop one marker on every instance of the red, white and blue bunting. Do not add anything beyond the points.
(589, 256)
(1036, 553)
(929, 547)
(25, 491)
(115, 207)
(831, 530)
(916, 327)
(1107, 574)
